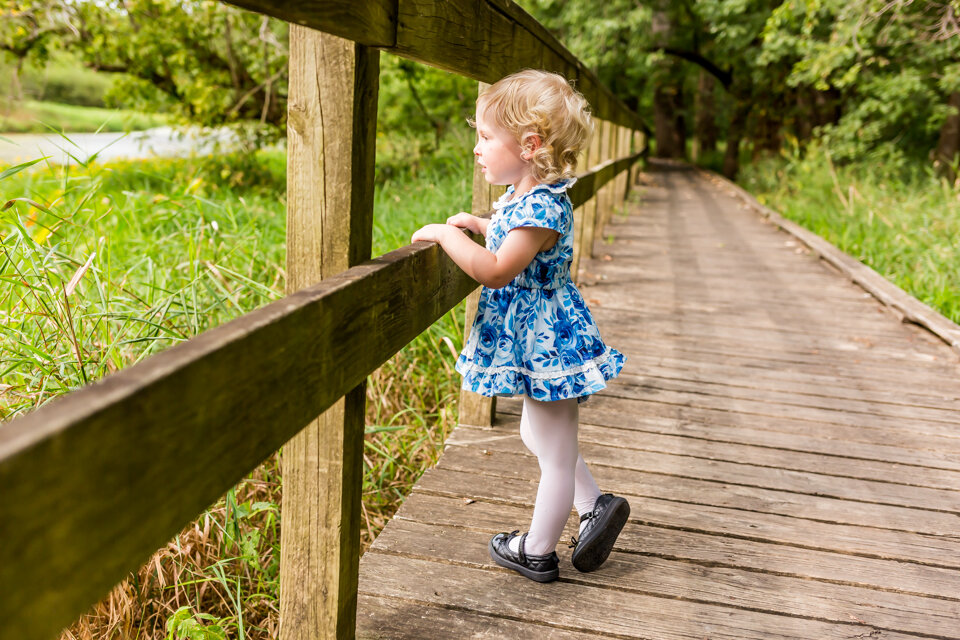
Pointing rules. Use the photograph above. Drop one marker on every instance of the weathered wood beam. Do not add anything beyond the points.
(481, 39)
(96, 481)
(369, 22)
(331, 142)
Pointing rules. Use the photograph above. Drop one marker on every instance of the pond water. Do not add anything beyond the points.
(160, 141)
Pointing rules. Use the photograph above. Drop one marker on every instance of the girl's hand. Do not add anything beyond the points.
(469, 222)
(431, 233)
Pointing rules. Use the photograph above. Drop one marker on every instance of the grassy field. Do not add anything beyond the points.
(31, 116)
(900, 220)
(104, 265)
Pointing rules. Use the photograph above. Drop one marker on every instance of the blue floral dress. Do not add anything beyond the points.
(535, 336)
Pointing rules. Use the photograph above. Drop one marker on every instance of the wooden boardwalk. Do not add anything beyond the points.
(790, 451)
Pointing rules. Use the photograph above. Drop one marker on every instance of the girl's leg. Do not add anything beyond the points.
(552, 429)
(586, 490)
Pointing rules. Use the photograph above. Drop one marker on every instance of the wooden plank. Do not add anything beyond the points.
(367, 22)
(163, 439)
(912, 479)
(589, 183)
(590, 205)
(882, 424)
(488, 40)
(681, 479)
(480, 39)
(757, 591)
(826, 385)
(651, 387)
(332, 114)
(386, 617)
(863, 348)
(698, 548)
(611, 411)
(885, 291)
(619, 613)
(924, 369)
(932, 550)
(654, 321)
(916, 451)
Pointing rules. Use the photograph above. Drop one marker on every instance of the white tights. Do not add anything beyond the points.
(549, 430)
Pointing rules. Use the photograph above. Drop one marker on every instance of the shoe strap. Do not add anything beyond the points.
(586, 516)
(521, 554)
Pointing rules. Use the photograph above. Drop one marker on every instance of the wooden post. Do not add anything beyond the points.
(588, 210)
(331, 130)
(603, 196)
(623, 181)
(635, 169)
(475, 409)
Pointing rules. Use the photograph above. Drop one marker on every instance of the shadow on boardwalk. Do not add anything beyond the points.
(791, 453)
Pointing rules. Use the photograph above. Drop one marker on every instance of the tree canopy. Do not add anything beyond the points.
(867, 78)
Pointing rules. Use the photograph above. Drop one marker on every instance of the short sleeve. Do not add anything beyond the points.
(542, 209)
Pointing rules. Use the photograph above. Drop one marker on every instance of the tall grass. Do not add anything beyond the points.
(898, 218)
(103, 265)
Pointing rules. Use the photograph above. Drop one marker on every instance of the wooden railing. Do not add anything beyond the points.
(94, 482)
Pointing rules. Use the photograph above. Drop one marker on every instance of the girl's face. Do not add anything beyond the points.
(499, 154)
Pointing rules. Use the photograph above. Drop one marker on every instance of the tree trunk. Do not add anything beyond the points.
(805, 116)
(705, 124)
(948, 147)
(826, 107)
(670, 128)
(16, 89)
(731, 158)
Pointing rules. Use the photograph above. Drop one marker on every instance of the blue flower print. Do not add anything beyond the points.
(536, 336)
(563, 333)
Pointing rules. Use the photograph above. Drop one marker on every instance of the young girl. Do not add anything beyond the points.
(533, 334)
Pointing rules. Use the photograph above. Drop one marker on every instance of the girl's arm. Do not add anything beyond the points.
(470, 223)
(492, 270)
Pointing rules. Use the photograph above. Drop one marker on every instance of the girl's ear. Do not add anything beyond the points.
(529, 142)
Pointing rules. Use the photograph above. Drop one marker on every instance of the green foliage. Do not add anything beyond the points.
(30, 28)
(185, 625)
(898, 218)
(207, 62)
(613, 38)
(894, 65)
(89, 286)
(427, 133)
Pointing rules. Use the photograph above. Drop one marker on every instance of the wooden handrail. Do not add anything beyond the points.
(480, 39)
(95, 481)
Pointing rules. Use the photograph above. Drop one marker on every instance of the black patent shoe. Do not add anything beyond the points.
(604, 523)
(544, 568)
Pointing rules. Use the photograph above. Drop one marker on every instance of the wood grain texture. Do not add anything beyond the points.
(370, 22)
(711, 585)
(789, 450)
(331, 149)
(590, 205)
(651, 538)
(480, 39)
(165, 438)
(911, 309)
(637, 615)
(487, 40)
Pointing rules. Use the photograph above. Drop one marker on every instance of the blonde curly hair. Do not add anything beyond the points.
(538, 103)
